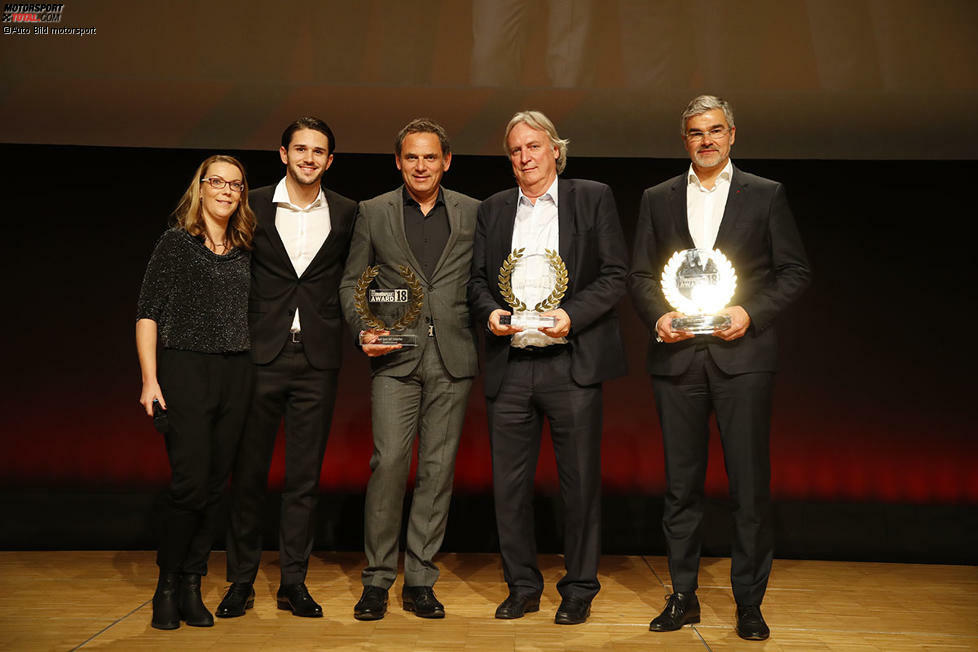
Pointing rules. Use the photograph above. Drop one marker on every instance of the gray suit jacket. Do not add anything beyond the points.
(379, 239)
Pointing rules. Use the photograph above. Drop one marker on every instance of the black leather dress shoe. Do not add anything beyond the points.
(296, 598)
(166, 612)
(239, 598)
(750, 623)
(516, 606)
(192, 609)
(422, 601)
(681, 609)
(372, 604)
(572, 611)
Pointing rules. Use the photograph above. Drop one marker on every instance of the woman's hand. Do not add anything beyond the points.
(151, 392)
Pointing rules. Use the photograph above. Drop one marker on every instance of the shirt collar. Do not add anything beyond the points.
(552, 191)
(281, 197)
(409, 200)
(725, 175)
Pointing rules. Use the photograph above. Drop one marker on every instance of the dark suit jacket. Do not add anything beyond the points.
(758, 235)
(276, 290)
(593, 248)
(379, 239)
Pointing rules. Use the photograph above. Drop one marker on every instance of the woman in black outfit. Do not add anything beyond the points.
(194, 305)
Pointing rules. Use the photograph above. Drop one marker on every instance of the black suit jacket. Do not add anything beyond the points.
(759, 236)
(276, 290)
(593, 249)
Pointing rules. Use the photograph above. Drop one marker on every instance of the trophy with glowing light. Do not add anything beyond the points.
(699, 283)
(540, 279)
(409, 292)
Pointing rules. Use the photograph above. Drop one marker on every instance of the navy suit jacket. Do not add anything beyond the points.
(592, 247)
(757, 234)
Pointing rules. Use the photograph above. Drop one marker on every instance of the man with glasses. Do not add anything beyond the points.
(715, 205)
(300, 245)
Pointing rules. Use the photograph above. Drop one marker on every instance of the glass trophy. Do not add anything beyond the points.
(539, 280)
(699, 283)
(389, 299)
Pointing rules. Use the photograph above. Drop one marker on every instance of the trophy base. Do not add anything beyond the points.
(701, 324)
(528, 320)
(404, 339)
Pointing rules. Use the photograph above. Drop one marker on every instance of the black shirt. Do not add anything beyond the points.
(198, 299)
(426, 234)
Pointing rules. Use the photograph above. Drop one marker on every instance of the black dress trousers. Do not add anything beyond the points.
(207, 397)
(290, 387)
(742, 403)
(538, 384)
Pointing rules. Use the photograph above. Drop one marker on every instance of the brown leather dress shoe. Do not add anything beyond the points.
(681, 609)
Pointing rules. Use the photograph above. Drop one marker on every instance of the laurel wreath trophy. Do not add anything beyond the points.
(412, 295)
(699, 283)
(542, 278)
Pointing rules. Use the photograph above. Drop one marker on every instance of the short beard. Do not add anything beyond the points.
(706, 166)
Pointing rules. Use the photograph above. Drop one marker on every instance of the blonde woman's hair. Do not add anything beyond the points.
(188, 215)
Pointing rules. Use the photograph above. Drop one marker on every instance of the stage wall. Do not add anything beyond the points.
(872, 400)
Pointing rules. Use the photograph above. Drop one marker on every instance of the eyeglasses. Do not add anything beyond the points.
(716, 133)
(217, 183)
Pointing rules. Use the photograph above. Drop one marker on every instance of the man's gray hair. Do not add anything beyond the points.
(702, 104)
(540, 122)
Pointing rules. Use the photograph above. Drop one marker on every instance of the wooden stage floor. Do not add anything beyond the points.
(101, 601)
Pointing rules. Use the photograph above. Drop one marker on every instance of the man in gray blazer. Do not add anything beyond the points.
(419, 234)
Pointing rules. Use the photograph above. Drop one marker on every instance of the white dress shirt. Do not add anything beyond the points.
(536, 229)
(704, 207)
(303, 230)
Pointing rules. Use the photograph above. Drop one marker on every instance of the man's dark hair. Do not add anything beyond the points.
(309, 122)
(423, 126)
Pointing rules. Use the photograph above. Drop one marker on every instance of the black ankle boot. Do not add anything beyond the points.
(166, 614)
(192, 608)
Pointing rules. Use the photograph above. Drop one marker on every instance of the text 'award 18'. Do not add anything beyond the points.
(699, 283)
(537, 279)
(399, 306)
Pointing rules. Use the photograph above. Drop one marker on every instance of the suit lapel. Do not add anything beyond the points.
(395, 220)
(506, 220)
(736, 199)
(334, 227)
(454, 224)
(566, 212)
(677, 209)
(265, 215)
